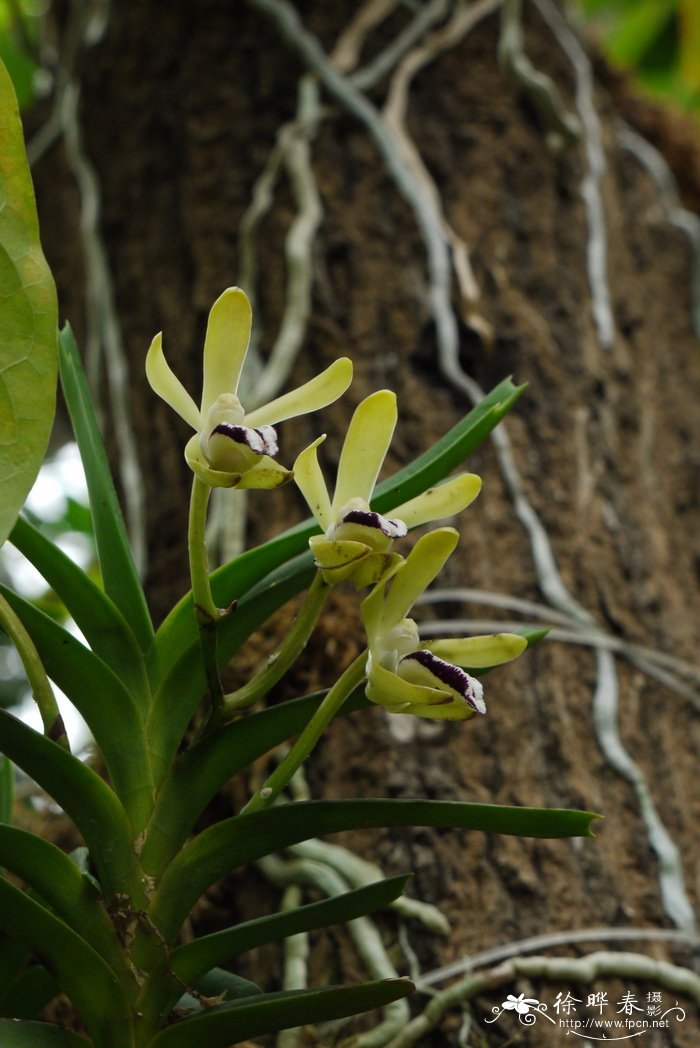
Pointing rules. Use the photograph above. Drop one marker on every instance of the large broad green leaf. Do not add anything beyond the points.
(28, 321)
(195, 958)
(270, 1012)
(245, 838)
(91, 985)
(83, 795)
(101, 698)
(119, 574)
(178, 631)
(102, 624)
(201, 771)
(38, 1035)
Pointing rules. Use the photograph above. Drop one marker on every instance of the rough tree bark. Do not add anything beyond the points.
(592, 509)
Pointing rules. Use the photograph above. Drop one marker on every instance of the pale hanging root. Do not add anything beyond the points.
(573, 632)
(688, 222)
(553, 940)
(296, 958)
(394, 117)
(562, 125)
(104, 343)
(561, 969)
(597, 247)
(363, 932)
(346, 53)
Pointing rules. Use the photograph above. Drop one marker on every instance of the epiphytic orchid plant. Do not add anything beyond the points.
(104, 924)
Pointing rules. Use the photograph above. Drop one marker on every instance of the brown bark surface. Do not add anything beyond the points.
(180, 108)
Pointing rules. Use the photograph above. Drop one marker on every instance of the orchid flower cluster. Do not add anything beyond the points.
(233, 448)
(109, 925)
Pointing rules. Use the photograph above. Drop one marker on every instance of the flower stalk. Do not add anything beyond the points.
(331, 704)
(206, 612)
(286, 655)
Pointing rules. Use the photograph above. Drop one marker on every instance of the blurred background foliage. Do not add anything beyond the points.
(657, 42)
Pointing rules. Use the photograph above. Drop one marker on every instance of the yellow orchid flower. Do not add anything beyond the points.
(232, 448)
(426, 679)
(357, 541)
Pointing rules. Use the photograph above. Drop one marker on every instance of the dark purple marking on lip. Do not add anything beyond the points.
(262, 441)
(453, 676)
(393, 529)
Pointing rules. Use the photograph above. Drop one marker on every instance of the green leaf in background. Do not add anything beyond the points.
(28, 993)
(28, 322)
(270, 1012)
(101, 623)
(92, 986)
(7, 790)
(38, 1035)
(119, 574)
(101, 698)
(83, 795)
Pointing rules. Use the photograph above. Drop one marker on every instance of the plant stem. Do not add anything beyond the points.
(204, 606)
(288, 652)
(301, 749)
(206, 612)
(42, 691)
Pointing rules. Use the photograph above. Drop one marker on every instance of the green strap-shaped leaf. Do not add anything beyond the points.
(181, 691)
(13, 957)
(197, 957)
(178, 631)
(7, 790)
(244, 838)
(28, 321)
(450, 451)
(84, 797)
(101, 698)
(38, 1035)
(58, 881)
(200, 772)
(270, 1012)
(121, 580)
(28, 993)
(91, 985)
(102, 624)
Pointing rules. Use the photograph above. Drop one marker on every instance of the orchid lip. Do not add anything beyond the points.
(393, 529)
(453, 676)
(261, 441)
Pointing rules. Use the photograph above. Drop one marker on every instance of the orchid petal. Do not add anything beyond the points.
(371, 609)
(375, 568)
(309, 480)
(168, 387)
(266, 473)
(215, 478)
(388, 689)
(440, 502)
(454, 711)
(317, 393)
(423, 563)
(364, 450)
(225, 344)
(337, 559)
(477, 652)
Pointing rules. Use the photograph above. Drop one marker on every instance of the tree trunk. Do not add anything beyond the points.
(582, 287)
